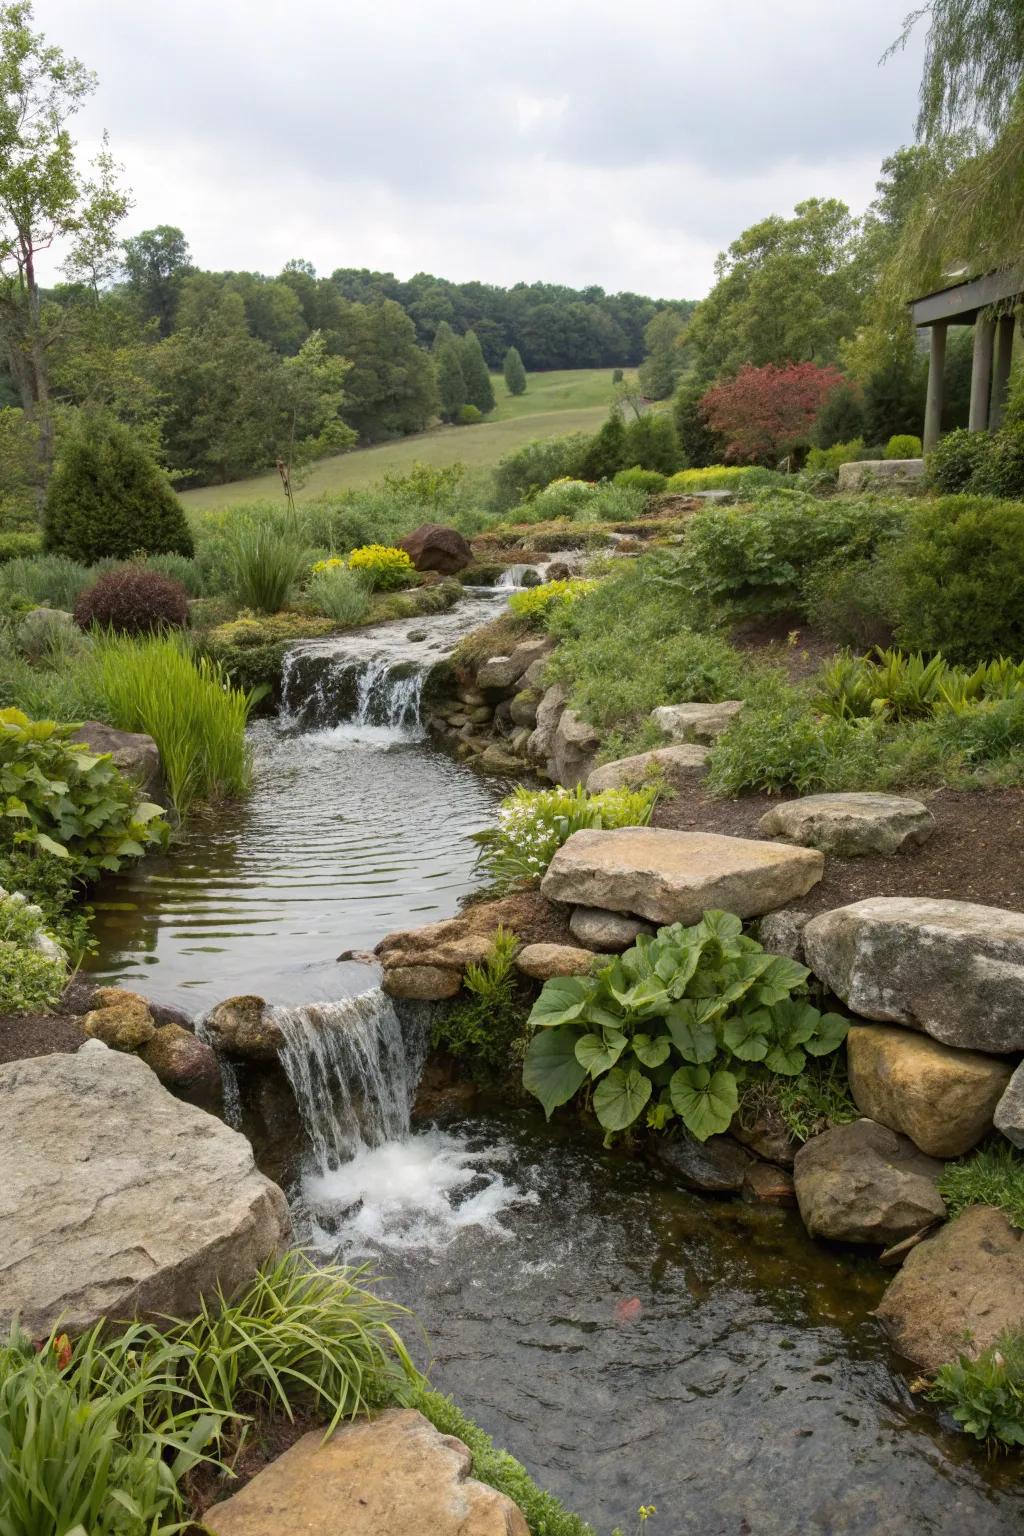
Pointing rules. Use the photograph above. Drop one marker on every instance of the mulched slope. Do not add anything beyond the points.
(38, 1034)
(976, 852)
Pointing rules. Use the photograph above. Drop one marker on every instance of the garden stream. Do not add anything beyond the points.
(631, 1343)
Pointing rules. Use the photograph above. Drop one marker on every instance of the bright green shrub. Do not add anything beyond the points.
(779, 742)
(385, 567)
(721, 477)
(107, 497)
(520, 474)
(649, 480)
(469, 415)
(534, 823)
(672, 1028)
(826, 461)
(51, 885)
(29, 978)
(537, 603)
(986, 1394)
(66, 800)
(20, 546)
(339, 593)
(902, 687)
(961, 572)
(904, 445)
(616, 504)
(1001, 472)
(953, 462)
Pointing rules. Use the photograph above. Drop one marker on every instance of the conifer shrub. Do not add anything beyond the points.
(109, 499)
(133, 601)
(952, 463)
(903, 445)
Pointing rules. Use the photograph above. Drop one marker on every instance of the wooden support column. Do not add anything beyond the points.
(936, 384)
(981, 373)
(1005, 328)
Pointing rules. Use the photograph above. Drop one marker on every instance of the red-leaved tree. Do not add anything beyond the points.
(765, 413)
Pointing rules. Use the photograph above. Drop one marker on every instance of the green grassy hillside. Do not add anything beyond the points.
(569, 400)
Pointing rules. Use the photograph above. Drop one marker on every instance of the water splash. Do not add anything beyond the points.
(231, 1093)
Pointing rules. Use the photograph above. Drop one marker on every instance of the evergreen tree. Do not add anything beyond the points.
(650, 442)
(515, 373)
(451, 385)
(699, 446)
(841, 418)
(606, 452)
(442, 336)
(108, 499)
(477, 379)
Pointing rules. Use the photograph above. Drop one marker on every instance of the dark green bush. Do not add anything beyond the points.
(20, 546)
(107, 497)
(529, 469)
(960, 568)
(133, 601)
(650, 441)
(641, 479)
(955, 459)
(698, 445)
(1001, 471)
(855, 602)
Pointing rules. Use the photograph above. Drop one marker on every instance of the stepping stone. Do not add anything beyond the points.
(957, 1291)
(942, 1098)
(950, 968)
(674, 877)
(686, 761)
(117, 1199)
(862, 1183)
(696, 722)
(395, 1475)
(542, 961)
(851, 826)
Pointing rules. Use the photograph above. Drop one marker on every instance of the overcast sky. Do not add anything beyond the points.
(576, 141)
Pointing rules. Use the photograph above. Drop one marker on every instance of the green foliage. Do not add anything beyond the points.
(19, 546)
(699, 444)
(818, 1097)
(855, 602)
(961, 574)
(650, 441)
(827, 460)
(29, 979)
(384, 567)
(341, 594)
(986, 1395)
(485, 1027)
(52, 581)
(476, 378)
(901, 687)
(993, 1175)
(904, 445)
(1001, 470)
(181, 569)
(514, 372)
(545, 1516)
(536, 604)
(133, 600)
(534, 823)
(529, 469)
(721, 477)
(674, 1026)
(469, 415)
(51, 885)
(648, 480)
(265, 561)
(951, 464)
(67, 801)
(451, 382)
(841, 418)
(605, 454)
(107, 497)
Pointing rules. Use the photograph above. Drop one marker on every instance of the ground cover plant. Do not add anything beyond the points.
(672, 1028)
(30, 978)
(485, 1027)
(993, 1175)
(986, 1395)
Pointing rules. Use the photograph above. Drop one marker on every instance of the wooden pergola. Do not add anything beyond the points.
(969, 303)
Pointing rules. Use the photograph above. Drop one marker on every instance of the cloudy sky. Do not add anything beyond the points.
(577, 141)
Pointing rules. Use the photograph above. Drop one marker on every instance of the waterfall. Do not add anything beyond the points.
(353, 1067)
(320, 691)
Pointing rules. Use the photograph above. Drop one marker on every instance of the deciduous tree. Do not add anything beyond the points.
(765, 413)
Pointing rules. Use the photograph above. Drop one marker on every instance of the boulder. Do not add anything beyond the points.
(716, 1166)
(696, 722)
(246, 1027)
(183, 1062)
(531, 653)
(573, 749)
(395, 1475)
(1009, 1115)
(683, 762)
(428, 983)
(782, 933)
(135, 754)
(943, 1099)
(768, 1135)
(851, 825)
(523, 708)
(496, 674)
(764, 1184)
(117, 1199)
(533, 677)
(549, 712)
(886, 474)
(433, 547)
(607, 931)
(122, 1021)
(496, 760)
(861, 1183)
(456, 941)
(542, 961)
(957, 1291)
(950, 968)
(674, 877)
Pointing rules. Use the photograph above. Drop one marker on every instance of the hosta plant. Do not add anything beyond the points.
(671, 1029)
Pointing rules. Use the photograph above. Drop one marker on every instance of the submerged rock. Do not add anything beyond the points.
(764, 1184)
(957, 1291)
(862, 1183)
(717, 1166)
(851, 825)
(394, 1475)
(674, 877)
(117, 1199)
(950, 968)
(943, 1099)
(687, 762)
(244, 1026)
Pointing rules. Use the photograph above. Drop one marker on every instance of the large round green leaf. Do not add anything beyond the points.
(747, 1034)
(619, 1098)
(652, 1050)
(551, 1071)
(562, 1001)
(597, 1053)
(831, 1032)
(692, 1030)
(706, 1101)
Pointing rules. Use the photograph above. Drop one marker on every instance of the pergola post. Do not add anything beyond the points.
(1005, 329)
(936, 384)
(981, 372)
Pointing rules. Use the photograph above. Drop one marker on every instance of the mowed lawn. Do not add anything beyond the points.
(570, 400)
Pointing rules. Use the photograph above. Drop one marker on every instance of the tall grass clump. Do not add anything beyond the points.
(51, 581)
(186, 704)
(339, 594)
(265, 560)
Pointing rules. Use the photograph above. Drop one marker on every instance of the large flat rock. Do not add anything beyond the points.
(696, 722)
(687, 762)
(861, 1183)
(117, 1199)
(950, 968)
(850, 825)
(674, 877)
(957, 1291)
(390, 1476)
(943, 1099)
